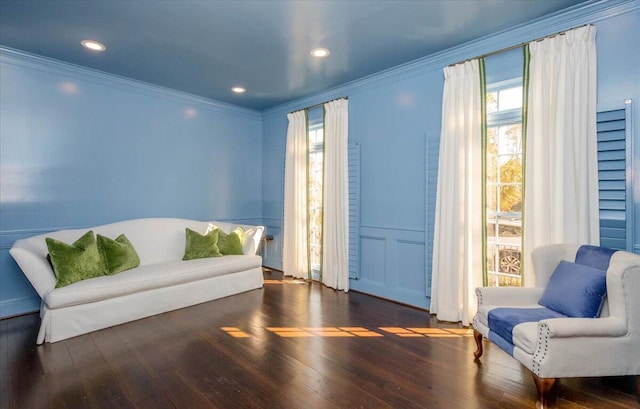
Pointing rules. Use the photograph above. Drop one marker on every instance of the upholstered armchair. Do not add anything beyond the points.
(570, 324)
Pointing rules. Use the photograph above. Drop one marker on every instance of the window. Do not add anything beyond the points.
(504, 184)
(316, 166)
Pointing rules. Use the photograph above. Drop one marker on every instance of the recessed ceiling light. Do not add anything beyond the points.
(320, 52)
(93, 45)
(239, 90)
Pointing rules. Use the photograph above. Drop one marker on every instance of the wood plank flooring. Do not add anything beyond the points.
(288, 345)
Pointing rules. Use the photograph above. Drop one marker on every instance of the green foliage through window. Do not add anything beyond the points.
(316, 168)
(504, 193)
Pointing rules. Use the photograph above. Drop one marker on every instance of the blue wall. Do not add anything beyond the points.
(618, 41)
(395, 116)
(80, 148)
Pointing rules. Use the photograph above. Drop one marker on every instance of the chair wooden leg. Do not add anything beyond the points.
(543, 385)
(478, 337)
(638, 386)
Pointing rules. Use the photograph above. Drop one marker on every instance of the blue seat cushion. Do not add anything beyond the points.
(502, 321)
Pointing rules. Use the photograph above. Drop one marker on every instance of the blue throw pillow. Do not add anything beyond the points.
(575, 290)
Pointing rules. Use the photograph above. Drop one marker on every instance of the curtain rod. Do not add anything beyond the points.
(513, 47)
(319, 104)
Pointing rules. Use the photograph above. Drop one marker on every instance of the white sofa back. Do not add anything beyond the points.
(156, 240)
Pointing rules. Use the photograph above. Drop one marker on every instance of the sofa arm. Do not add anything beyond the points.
(34, 266)
(511, 296)
(585, 327)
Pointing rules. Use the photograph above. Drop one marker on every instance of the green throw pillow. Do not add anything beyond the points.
(75, 262)
(119, 254)
(230, 244)
(199, 246)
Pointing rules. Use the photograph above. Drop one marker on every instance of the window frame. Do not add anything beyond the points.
(314, 148)
(498, 119)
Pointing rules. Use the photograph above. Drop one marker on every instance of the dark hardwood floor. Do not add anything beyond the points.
(285, 346)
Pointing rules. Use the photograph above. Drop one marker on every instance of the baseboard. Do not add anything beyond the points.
(19, 306)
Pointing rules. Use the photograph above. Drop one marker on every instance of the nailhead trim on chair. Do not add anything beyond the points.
(475, 317)
(541, 350)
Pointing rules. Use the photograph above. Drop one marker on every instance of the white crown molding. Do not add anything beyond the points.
(56, 67)
(589, 12)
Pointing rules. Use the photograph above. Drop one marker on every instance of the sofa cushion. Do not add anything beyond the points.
(594, 256)
(118, 254)
(575, 290)
(201, 246)
(148, 277)
(502, 322)
(525, 336)
(75, 262)
(230, 244)
(482, 314)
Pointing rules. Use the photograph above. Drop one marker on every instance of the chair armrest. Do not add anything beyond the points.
(585, 327)
(511, 296)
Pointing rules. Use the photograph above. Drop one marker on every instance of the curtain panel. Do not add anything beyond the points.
(561, 165)
(295, 247)
(335, 220)
(458, 239)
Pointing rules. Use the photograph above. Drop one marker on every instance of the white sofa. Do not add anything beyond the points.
(162, 282)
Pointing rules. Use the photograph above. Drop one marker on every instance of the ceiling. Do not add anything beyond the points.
(206, 47)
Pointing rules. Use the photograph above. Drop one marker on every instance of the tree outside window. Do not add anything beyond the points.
(504, 186)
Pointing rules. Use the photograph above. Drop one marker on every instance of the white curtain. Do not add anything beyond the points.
(295, 261)
(457, 248)
(335, 221)
(561, 174)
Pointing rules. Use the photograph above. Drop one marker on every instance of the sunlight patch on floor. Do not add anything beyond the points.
(285, 282)
(346, 332)
(323, 332)
(235, 332)
(428, 332)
